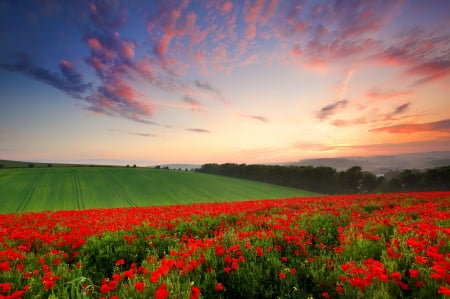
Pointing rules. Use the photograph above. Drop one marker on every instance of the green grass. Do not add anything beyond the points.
(64, 188)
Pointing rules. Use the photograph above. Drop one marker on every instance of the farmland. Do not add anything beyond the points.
(349, 246)
(66, 188)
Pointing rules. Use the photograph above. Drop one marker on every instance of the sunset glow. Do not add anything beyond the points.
(264, 81)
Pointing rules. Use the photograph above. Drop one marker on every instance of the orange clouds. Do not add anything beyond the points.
(438, 126)
(377, 93)
(94, 44)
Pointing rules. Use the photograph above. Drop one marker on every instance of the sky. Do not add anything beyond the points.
(190, 81)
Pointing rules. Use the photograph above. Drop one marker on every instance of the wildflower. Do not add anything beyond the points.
(19, 267)
(282, 275)
(195, 292)
(104, 289)
(5, 287)
(396, 276)
(219, 287)
(444, 291)
(413, 273)
(161, 292)
(120, 262)
(220, 250)
(259, 251)
(4, 266)
(139, 286)
(325, 295)
(419, 284)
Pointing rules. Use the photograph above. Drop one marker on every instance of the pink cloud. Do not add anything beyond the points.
(430, 71)
(438, 126)
(421, 53)
(127, 50)
(117, 98)
(250, 33)
(162, 46)
(227, 6)
(249, 60)
(348, 122)
(377, 93)
(269, 11)
(296, 51)
(94, 44)
(252, 12)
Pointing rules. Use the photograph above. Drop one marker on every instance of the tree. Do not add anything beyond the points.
(368, 182)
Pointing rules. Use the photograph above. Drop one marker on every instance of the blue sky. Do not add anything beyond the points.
(152, 82)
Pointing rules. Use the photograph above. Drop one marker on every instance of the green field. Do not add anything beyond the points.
(64, 188)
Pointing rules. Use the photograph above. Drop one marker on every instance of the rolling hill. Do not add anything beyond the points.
(63, 188)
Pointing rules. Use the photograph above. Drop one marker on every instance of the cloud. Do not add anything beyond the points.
(204, 86)
(296, 50)
(108, 14)
(423, 53)
(197, 130)
(142, 134)
(348, 122)
(117, 98)
(68, 80)
(332, 109)
(252, 12)
(438, 126)
(317, 149)
(258, 117)
(377, 93)
(196, 105)
(398, 110)
(430, 71)
(207, 87)
(227, 6)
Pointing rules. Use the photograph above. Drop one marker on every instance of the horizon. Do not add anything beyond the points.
(255, 82)
(141, 163)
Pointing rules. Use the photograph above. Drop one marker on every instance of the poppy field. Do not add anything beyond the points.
(350, 246)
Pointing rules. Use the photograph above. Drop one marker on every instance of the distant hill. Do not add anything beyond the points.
(21, 164)
(383, 163)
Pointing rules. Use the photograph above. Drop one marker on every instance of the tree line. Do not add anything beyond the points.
(330, 181)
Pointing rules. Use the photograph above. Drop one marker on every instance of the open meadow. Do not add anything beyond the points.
(350, 246)
(71, 188)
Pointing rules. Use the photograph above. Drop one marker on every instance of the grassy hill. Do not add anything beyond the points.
(61, 188)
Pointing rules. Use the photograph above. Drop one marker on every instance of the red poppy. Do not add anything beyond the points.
(139, 286)
(120, 262)
(195, 292)
(104, 289)
(219, 287)
(161, 292)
